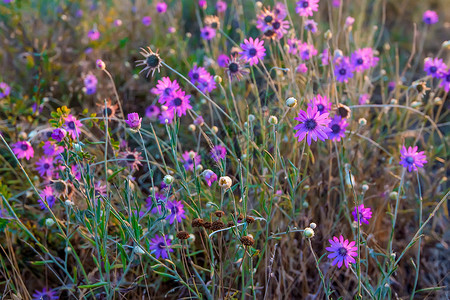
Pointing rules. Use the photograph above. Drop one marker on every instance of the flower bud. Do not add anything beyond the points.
(273, 120)
(100, 64)
(225, 182)
(328, 35)
(291, 102)
(168, 179)
(308, 233)
(49, 222)
(217, 79)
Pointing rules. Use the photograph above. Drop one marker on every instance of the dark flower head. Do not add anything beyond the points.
(235, 68)
(151, 61)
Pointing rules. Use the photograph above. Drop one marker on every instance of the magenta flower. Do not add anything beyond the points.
(221, 6)
(218, 152)
(325, 57)
(179, 103)
(202, 3)
(265, 19)
(160, 246)
(152, 112)
(207, 33)
(146, 21)
(134, 121)
(349, 21)
(280, 27)
(51, 149)
(322, 103)
(176, 211)
(305, 8)
(343, 70)
(23, 149)
(189, 159)
(47, 294)
(342, 251)
(131, 159)
(45, 166)
(364, 214)
(5, 90)
(411, 159)
(47, 196)
(445, 83)
(279, 9)
(90, 80)
(117, 22)
(336, 3)
(59, 134)
(222, 60)
(160, 200)
(430, 17)
(161, 7)
(337, 126)
(307, 51)
(294, 45)
(434, 67)
(209, 176)
(72, 125)
(253, 50)
(313, 125)
(301, 68)
(363, 99)
(165, 88)
(166, 115)
(199, 121)
(363, 59)
(75, 172)
(311, 25)
(93, 34)
(202, 79)
(236, 68)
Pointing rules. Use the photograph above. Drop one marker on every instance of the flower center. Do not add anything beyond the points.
(233, 67)
(130, 157)
(342, 251)
(320, 107)
(167, 91)
(433, 69)
(196, 76)
(269, 33)
(71, 125)
(276, 25)
(177, 101)
(161, 245)
(335, 128)
(108, 111)
(310, 124)
(342, 71)
(359, 61)
(45, 297)
(46, 166)
(447, 78)
(152, 60)
(409, 159)
(305, 4)
(24, 147)
(214, 25)
(268, 19)
(252, 52)
(342, 112)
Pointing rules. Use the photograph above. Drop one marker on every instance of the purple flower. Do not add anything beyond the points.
(59, 134)
(222, 60)
(221, 6)
(90, 80)
(160, 200)
(313, 125)
(90, 90)
(265, 20)
(93, 34)
(363, 99)
(165, 88)
(166, 115)
(117, 22)
(336, 3)
(5, 90)
(235, 67)
(349, 21)
(146, 21)
(72, 125)
(134, 121)
(161, 7)
(337, 126)
(445, 83)
(430, 17)
(253, 50)
(45, 166)
(280, 27)
(305, 8)
(294, 45)
(75, 172)
(391, 86)
(343, 70)
(160, 246)
(209, 176)
(322, 103)
(179, 103)
(131, 159)
(199, 121)
(279, 10)
(45, 294)
(325, 57)
(218, 152)
(307, 51)
(47, 196)
(311, 25)
(301, 68)
(51, 149)
(189, 159)
(176, 211)
(207, 33)
(411, 159)
(152, 112)
(363, 59)
(342, 251)
(196, 74)
(23, 149)
(202, 3)
(434, 67)
(364, 214)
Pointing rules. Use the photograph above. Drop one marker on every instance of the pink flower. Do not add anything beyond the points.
(23, 149)
(161, 7)
(146, 21)
(209, 176)
(134, 121)
(342, 251)
(72, 125)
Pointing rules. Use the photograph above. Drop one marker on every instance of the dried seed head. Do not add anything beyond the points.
(343, 111)
(217, 225)
(250, 220)
(219, 213)
(240, 217)
(230, 224)
(247, 240)
(225, 182)
(59, 187)
(197, 222)
(207, 225)
(182, 235)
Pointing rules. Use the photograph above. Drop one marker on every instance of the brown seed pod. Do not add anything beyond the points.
(207, 225)
(219, 214)
(230, 224)
(198, 222)
(343, 111)
(183, 235)
(240, 217)
(250, 220)
(247, 240)
(217, 225)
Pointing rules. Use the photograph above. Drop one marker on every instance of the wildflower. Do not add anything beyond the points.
(365, 213)
(49, 222)
(221, 6)
(212, 21)
(152, 111)
(165, 88)
(5, 90)
(160, 246)
(222, 60)
(322, 103)
(265, 19)
(280, 27)
(46, 196)
(207, 33)
(253, 51)
(166, 116)
(363, 59)
(445, 83)
(311, 25)
(313, 125)
(51, 149)
(217, 225)
(202, 79)
(151, 61)
(100, 64)
(59, 134)
(280, 10)
(72, 125)
(196, 74)
(411, 159)
(93, 34)
(235, 68)
(291, 102)
(349, 22)
(209, 176)
(179, 102)
(161, 7)
(134, 121)
(430, 17)
(342, 251)
(218, 152)
(247, 241)
(146, 21)
(117, 22)
(199, 121)
(325, 57)
(160, 200)
(363, 99)
(273, 120)
(168, 179)
(202, 3)
(337, 126)
(75, 172)
(176, 209)
(23, 149)
(131, 159)
(434, 67)
(45, 166)
(343, 70)
(305, 8)
(90, 80)
(336, 3)
(190, 159)
(293, 45)
(182, 235)
(225, 182)
(308, 232)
